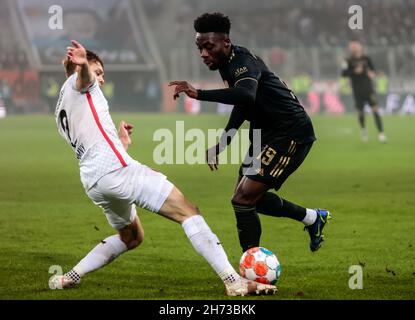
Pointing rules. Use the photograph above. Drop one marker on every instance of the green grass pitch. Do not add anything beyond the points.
(46, 218)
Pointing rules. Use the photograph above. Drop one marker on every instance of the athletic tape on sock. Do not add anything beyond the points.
(194, 225)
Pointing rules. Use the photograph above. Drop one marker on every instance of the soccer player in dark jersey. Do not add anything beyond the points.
(269, 105)
(359, 68)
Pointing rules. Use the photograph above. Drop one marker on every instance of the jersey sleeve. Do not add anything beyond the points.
(72, 79)
(346, 70)
(245, 75)
(236, 119)
(370, 64)
(244, 68)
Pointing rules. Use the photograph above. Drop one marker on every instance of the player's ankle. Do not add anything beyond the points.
(310, 217)
(74, 276)
(77, 269)
(229, 277)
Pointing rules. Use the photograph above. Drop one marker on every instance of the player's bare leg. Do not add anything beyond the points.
(128, 238)
(207, 244)
(379, 124)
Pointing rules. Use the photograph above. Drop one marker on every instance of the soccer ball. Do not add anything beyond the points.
(260, 265)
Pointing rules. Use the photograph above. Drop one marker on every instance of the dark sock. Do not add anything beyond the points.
(249, 226)
(362, 120)
(272, 205)
(378, 121)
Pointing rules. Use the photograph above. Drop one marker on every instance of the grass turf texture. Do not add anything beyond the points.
(46, 218)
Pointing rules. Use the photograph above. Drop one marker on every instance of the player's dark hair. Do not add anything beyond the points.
(212, 22)
(355, 38)
(92, 56)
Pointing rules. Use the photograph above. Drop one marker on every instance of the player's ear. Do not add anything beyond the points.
(227, 42)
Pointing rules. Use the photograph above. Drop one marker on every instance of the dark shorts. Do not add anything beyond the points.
(362, 98)
(276, 162)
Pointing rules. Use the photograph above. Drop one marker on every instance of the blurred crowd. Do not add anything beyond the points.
(310, 22)
(288, 31)
(12, 57)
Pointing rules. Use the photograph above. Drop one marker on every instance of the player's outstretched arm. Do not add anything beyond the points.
(345, 69)
(183, 87)
(371, 73)
(124, 133)
(244, 93)
(234, 123)
(77, 55)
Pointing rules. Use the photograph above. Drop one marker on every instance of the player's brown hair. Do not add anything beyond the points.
(90, 56)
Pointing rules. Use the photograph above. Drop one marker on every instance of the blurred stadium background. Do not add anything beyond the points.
(46, 219)
(146, 43)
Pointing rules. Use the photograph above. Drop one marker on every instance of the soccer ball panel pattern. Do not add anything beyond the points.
(261, 265)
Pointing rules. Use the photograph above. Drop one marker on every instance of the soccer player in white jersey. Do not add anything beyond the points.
(116, 182)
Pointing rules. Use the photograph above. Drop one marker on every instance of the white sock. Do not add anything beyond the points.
(207, 244)
(101, 255)
(310, 217)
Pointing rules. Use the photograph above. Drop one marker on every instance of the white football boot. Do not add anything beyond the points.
(243, 287)
(364, 135)
(382, 138)
(66, 281)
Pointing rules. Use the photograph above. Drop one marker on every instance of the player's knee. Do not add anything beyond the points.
(186, 209)
(140, 238)
(134, 244)
(186, 212)
(133, 238)
(242, 198)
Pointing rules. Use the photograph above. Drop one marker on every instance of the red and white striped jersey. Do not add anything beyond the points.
(84, 121)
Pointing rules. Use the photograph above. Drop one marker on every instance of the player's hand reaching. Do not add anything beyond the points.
(212, 157)
(124, 134)
(183, 86)
(77, 53)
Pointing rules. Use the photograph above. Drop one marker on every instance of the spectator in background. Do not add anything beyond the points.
(6, 94)
(3, 60)
(50, 92)
(359, 68)
(382, 84)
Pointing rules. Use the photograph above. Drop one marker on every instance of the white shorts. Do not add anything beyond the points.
(119, 191)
